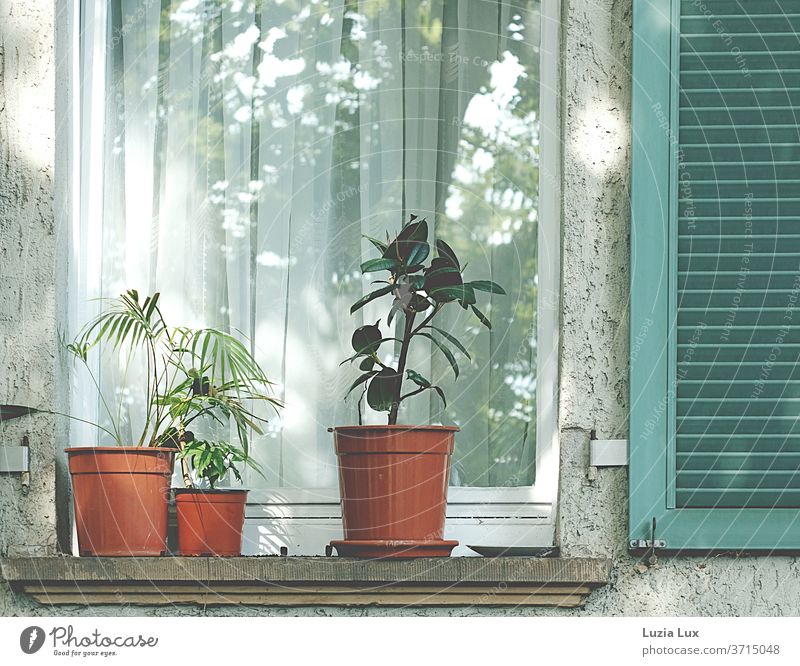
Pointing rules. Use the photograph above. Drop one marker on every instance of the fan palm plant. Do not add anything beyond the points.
(190, 375)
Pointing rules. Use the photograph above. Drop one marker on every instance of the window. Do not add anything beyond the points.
(234, 152)
(716, 275)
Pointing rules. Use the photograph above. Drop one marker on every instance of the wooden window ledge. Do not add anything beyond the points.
(306, 581)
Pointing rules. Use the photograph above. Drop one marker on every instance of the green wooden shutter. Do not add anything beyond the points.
(715, 291)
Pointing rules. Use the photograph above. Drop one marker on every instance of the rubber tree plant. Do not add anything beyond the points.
(419, 288)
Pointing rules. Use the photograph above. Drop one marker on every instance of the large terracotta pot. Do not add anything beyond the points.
(121, 499)
(210, 522)
(393, 484)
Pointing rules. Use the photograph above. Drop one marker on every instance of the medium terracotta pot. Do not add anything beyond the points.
(393, 484)
(121, 499)
(210, 522)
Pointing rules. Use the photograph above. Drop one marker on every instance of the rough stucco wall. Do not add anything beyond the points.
(594, 523)
(593, 506)
(596, 87)
(27, 280)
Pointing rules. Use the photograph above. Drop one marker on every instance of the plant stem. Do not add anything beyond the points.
(187, 477)
(413, 393)
(401, 365)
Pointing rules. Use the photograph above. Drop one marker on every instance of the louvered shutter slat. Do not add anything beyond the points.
(738, 269)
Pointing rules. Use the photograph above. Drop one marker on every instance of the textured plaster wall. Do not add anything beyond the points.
(596, 87)
(27, 267)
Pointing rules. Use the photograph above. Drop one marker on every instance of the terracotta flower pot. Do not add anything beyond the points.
(210, 522)
(393, 484)
(121, 498)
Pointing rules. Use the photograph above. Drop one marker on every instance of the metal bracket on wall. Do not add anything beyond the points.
(14, 460)
(608, 452)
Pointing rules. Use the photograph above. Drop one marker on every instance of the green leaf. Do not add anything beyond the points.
(441, 394)
(367, 364)
(361, 302)
(482, 318)
(361, 379)
(418, 379)
(419, 303)
(441, 279)
(8, 412)
(447, 353)
(406, 243)
(487, 285)
(367, 339)
(417, 252)
(373, 265)
(383, 389)
(378, 244)
(397, 306)
(448, 294)
(468, 298)
(446, 252)
(452, 339)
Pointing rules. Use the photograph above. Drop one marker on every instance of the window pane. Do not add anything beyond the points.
(245, 147)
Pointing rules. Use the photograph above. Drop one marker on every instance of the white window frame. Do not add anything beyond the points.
(522, 518)
(303, 522)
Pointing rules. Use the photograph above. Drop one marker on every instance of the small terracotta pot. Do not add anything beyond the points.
(121, 499)
(393, 483)
(210, 522)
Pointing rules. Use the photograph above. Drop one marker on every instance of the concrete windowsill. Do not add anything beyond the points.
(306, 581)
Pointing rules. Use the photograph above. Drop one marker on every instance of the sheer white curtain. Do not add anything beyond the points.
(234, 152)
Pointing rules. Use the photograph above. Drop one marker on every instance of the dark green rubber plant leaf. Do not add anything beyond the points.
(382, 391)
(443, 281)
(418, 252)
(419, 303)
(361, 302)
(367, 339)
(397, 306)
(446, 252)
(487, 285)
(482, 318)
(468, 296)
(372, 265)
(452, 339)
(361, 379)
(408, 246)
(381, 246)
(451, 359)
(418, 379)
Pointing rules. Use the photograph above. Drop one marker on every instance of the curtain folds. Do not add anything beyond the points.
(234, 153)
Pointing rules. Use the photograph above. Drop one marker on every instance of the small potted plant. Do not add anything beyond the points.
(121, 492)
(393, 478)
(210, 519)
